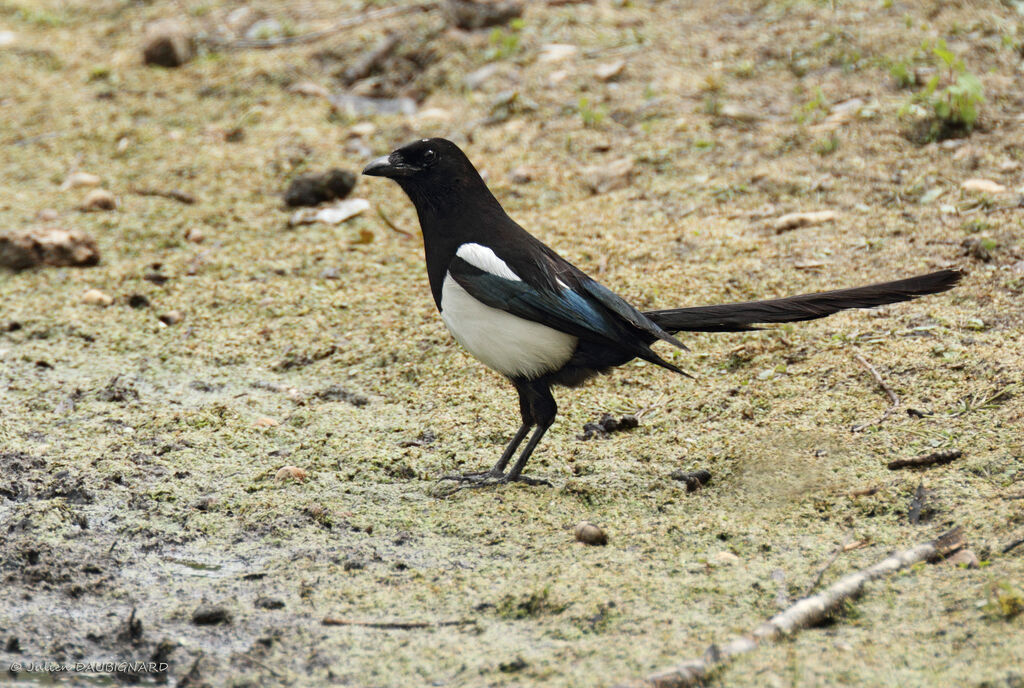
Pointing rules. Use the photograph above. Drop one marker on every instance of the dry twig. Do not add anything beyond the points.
(893, 399)
(395, 625)
(806, 613)
(934, 459)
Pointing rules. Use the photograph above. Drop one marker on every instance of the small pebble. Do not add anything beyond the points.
(269, 603)
(211, 614)
(591, 534)
(966, 558)
(167, 44)
(292, 473)
(47, 215)
(138, 301)
(77, 180)
(195, 235)
(171, 317)
(99, 199)
(797, 220)
(520, 175)
(983, 186)
(725, 558)
(94, 297)
(314, 189)
(556, 52)
(610, 70)
(268, 422)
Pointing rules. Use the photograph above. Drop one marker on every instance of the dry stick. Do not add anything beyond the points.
(347, 23)
(1010, 547)
(894, 400)
(806, 613)
(395, 625)
(391, 225)
(934, 459)
(173, 194)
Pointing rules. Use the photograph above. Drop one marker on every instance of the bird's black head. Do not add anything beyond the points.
(435, 173)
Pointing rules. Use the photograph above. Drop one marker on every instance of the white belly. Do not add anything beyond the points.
(504, 342)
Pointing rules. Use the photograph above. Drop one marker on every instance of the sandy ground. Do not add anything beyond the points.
(138, 459)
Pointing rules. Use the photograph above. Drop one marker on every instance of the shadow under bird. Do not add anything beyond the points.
(527, 313)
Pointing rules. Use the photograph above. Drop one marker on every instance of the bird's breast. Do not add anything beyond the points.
(513, 346)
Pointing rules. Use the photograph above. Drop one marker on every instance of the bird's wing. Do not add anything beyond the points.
(559, 307)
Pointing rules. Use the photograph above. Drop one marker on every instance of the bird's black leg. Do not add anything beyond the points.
(537, 407)
(499, 468)
(516, 472)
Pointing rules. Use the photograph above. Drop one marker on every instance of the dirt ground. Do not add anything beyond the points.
(139, 459)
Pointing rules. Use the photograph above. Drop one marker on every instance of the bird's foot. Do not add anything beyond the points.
(491, 477)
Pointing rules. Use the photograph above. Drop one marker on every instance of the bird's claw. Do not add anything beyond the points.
(488, 478)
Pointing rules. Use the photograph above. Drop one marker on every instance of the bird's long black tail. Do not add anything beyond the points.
(735, 317)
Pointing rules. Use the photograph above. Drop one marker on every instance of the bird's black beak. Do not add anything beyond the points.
(387, 166)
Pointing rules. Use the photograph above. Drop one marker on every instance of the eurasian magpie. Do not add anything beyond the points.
(527, 313)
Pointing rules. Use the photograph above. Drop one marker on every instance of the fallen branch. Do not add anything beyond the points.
(395, 625)
(806, 613)
(391, 225)
(934, 459)
(347, 23)
(893, 399)
(848, 547)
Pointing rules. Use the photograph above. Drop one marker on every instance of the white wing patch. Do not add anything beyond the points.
(511, 345)
(485, 259)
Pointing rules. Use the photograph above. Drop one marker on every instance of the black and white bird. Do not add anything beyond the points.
(527, 313)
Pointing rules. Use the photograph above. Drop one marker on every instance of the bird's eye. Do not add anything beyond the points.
(429, 156)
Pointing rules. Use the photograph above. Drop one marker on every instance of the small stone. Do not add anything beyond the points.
(195, 235)
(591, 534)
(99, 199)
(167, 44)
(138, 301)
(983, 186)
(291, 473)
(1009, 166)
(608, 177)
(309, 88)
(7, 38)
(47, 215)
(267, 422)
(362, 129)
(739, 113)
(469, 15)
(50, 246)
(210, 615)
(966, 558)
(269, 603)
(94, 297)
(331, 274)
(314, 189)
(77, 180)
(610, 70)
(797, 220)
(434, 114)
(171, 318)
(556, 52)
(725, 558)
(520, 175)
